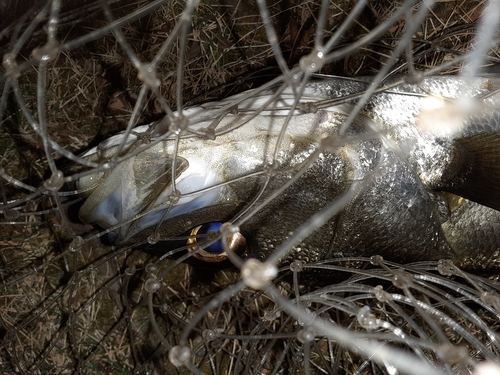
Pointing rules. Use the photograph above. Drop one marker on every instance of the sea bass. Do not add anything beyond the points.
(427, 156)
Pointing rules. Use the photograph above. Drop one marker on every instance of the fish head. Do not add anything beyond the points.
(166, 187)
(150, 185)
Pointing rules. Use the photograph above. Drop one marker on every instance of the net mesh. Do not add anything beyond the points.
(71, 301)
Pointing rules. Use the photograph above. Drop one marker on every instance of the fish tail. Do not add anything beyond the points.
(474, 171)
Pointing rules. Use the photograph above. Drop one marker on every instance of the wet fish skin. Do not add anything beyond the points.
(400, 214)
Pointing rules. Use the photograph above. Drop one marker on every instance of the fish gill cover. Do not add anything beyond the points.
(274, 266)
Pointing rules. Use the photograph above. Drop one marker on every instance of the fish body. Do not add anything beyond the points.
(427, 156)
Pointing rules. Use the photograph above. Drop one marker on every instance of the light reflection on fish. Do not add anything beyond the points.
(431, 192)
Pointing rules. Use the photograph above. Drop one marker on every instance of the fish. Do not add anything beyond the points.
(417, 170)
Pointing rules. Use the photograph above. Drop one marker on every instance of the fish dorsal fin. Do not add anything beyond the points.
(474, 171)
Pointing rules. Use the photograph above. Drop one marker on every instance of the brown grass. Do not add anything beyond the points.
(64, 312)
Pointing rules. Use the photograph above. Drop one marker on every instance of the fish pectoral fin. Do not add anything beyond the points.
(474, 171)
(153, 177)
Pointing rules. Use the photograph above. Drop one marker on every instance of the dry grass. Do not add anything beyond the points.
(65, 312)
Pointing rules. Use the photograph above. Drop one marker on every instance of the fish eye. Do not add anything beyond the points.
(202, 246)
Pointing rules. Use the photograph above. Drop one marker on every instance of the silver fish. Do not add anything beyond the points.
(426, 154)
